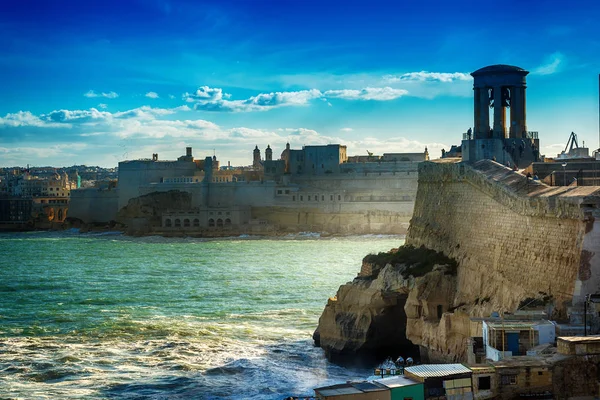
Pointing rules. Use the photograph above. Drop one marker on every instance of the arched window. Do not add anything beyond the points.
(227, 222)
(196, 222)
(186, 222)
(211, 222)
(219, 223)
(60, 214)
(168, 222)
(177, 222)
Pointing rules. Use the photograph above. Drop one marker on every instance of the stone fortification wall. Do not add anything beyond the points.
(367, 219)
(134, 174)
(94, 205)
(513, 239)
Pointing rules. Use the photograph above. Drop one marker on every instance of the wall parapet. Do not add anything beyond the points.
(524, 196)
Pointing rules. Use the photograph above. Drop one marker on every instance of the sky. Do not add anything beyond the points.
(98, 82)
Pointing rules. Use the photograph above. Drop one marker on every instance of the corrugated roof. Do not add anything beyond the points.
(580, 339)
(437, 370)
(397, 381)
(516, 325)
(350, 388)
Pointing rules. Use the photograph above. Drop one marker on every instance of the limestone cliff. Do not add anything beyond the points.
(145, 211)
(366, 320)
(513, 240)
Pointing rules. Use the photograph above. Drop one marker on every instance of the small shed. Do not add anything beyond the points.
(403, 388)
(578, 345)
(505, 338)
(452, 381)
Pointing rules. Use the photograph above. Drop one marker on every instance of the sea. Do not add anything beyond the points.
(108, 316)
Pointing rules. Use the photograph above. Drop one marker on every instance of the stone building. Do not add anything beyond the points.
(500, 88)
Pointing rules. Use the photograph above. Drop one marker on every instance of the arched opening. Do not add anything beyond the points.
(211, 222)
(196, 222)
(186, 222)
(168, 223)
(219, 223)
(60, 214)
(177, 222)
(228, 222)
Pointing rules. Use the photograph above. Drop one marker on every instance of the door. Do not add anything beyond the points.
(512, 341)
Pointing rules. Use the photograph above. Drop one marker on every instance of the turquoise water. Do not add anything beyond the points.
(110, 316)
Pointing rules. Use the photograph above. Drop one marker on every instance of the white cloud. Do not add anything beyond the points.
(425, 76)
(75, 116)
(102, 105)
(346, 129)
(370, 93)
(214, 99)
(171, 96)
(205, 94)
(25, 118)
(109, 95)
(152, 95)
(554, 63)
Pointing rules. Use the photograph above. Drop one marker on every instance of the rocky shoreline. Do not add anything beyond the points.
(371, 318)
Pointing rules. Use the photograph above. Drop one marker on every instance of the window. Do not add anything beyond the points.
(339, 197)
(322, 197)
(508, 380)
(308, 198)
(219, 223)
(540, 373)
(279, 192)
(178, 222)
(440, 311)
(211, 222)
(287, 192)
(186, 222)
(301, 198)
(293, 198)
(485, 383)
(227, 222)
(196, 222)
(331, 197)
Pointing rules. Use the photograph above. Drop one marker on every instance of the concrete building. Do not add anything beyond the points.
(450, 381)
(509, 338)
(317, 160)
(500, 88)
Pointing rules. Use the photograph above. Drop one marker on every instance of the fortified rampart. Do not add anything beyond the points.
(133, 174)
(513, 240)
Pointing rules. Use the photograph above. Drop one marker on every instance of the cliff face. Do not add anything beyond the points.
(145, 211)
(366, 320)
(513, 240)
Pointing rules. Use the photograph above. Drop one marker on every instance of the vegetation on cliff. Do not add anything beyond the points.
(418, 261)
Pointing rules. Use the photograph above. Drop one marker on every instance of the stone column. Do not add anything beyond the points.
(522, 108)
(517, 112)
(484, 113)
(515, 100)
(499, 114)
(477, 112)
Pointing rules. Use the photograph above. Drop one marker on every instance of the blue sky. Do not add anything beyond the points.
(98, 83)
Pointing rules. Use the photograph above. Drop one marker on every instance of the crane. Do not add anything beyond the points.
(573, 141)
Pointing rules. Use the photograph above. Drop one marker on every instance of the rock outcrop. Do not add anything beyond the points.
(141, 213)
(514, 241)
(366, 321)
